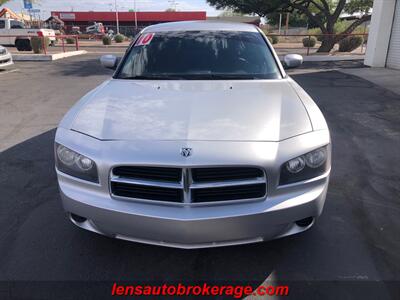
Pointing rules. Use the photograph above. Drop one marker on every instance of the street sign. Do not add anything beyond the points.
(28, 4)
(34, 11)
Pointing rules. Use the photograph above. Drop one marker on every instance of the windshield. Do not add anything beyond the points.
(200, 55)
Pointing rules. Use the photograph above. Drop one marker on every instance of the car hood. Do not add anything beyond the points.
(257, 110)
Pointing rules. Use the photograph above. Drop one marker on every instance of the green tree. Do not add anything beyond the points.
(230, 13)
(323, 13)
(295, 20)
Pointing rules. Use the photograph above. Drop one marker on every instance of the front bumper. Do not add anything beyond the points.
(188, 226)
(123, 221)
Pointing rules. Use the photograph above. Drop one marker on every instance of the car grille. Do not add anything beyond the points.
(149, 173)
(188, 185)
(222, 174)
(147, 192)
(229, 193)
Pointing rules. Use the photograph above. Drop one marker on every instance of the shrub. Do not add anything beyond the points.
(37, 44)
(70, 40)
(270, 39)
(350, 43)
(275, 39)
(106, 40)
(309, 42)
(119, 38)
(317, 32)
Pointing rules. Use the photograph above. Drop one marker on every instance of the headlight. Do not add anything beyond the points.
(305, 167)
(296, 165)
(316, 158)
(75, 164)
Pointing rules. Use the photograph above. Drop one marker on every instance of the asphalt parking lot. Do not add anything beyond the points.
(352, 251)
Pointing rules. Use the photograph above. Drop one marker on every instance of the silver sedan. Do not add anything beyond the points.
(200, 139)
(5, 58)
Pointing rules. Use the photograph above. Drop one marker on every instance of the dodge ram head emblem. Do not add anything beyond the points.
(186, 152)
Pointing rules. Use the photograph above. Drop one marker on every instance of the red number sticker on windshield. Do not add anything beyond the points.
(145, 39)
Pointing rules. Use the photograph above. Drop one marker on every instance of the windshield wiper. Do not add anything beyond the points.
(217, 76)
(234, 76)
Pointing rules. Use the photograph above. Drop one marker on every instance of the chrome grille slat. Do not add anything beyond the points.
(226, 183)
(192, 186)
(163, 184)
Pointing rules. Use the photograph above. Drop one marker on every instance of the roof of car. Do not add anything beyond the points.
(201, 26)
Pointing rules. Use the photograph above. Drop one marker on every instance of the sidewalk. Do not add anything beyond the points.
(386, 78)
(333, 57)
(46, 57)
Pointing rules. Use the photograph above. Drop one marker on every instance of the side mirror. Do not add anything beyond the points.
(292, 61)
(109, 61)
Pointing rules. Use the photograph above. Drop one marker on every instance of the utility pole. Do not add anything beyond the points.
(287, 23)
(134, 7)
(116, 16)
(280, 23)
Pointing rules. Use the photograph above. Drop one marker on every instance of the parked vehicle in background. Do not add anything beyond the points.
(95, 28)
(5, 58)
(12, 32)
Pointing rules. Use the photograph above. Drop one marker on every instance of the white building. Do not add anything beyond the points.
(384, 36)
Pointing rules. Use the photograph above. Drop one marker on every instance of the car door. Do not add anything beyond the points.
(17, 28)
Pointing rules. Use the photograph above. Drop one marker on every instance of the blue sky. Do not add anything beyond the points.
(46, 6)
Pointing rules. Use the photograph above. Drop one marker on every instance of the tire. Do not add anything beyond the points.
(23, 45)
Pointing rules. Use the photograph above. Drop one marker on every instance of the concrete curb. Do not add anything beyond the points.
(46, 57)
(333, 57)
